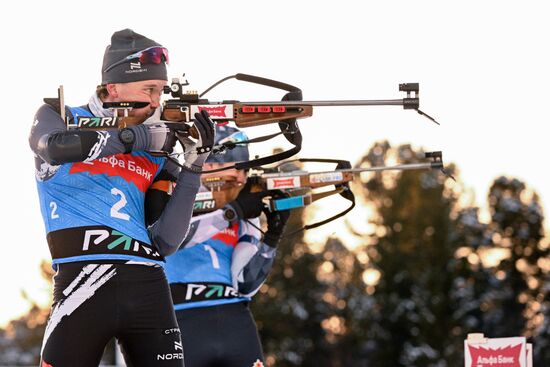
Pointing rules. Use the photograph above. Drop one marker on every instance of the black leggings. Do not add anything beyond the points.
(221, 336)
(94, 303)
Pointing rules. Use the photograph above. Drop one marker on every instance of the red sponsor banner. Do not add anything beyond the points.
(138, 170)
(214, 111)
(283, 183)
(498, 357)
(229, 236)
(480, 351)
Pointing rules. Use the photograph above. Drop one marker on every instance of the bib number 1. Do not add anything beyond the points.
(213, 256)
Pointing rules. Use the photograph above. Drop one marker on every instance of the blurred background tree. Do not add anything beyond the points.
(439, 273)
(21, 340)
(414, 322)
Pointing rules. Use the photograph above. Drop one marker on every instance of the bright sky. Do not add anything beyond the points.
(482, 68)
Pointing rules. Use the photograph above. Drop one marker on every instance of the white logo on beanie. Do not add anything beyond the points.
(135, 67)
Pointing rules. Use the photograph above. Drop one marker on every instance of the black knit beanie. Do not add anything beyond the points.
(127, 42)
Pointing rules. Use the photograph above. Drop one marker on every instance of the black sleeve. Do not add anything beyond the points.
(50, 140)
(157, 196)
(171, 227)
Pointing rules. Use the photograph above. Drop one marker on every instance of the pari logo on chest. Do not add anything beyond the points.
(135, 169)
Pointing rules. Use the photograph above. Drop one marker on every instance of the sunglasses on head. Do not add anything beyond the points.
(151, 55)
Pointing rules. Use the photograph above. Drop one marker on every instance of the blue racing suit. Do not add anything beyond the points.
(218, 263)
(109, 281)
(213, 276)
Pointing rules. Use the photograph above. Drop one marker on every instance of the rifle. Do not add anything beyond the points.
(184, 104)
(178, 112)
(246, 114)
(298, 186)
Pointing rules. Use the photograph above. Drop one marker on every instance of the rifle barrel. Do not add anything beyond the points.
(400, 167)
(346, 102)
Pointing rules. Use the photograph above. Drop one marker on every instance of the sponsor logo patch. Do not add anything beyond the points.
(502, 357)
(229, 236)
(214, 111)
(138, 170)
(115, 241)
(203, 205)
(96, 122)
(283, 183)
(326, 177)
(178, 346)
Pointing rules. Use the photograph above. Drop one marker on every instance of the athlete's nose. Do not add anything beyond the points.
(155, 102)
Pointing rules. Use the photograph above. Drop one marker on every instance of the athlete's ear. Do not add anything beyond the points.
(111, 88)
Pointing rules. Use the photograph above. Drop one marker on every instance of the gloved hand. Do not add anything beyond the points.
(247, 204)
(276, 222)
(159, 136)
(197, 150)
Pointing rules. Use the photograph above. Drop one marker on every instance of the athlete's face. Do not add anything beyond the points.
(143, 91)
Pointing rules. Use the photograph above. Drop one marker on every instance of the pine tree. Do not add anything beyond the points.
(516, 304)
(412, 315)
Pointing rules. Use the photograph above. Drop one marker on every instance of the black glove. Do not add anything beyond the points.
(247, 204)
(196, 151)
(276, 222)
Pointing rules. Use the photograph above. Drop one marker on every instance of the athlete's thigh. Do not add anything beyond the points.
(149, 333)
(242, 346)
(75, 343)
(199, 337)
(222, 336)
(82, 318)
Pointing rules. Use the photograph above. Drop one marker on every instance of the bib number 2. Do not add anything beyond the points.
(115, 209)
